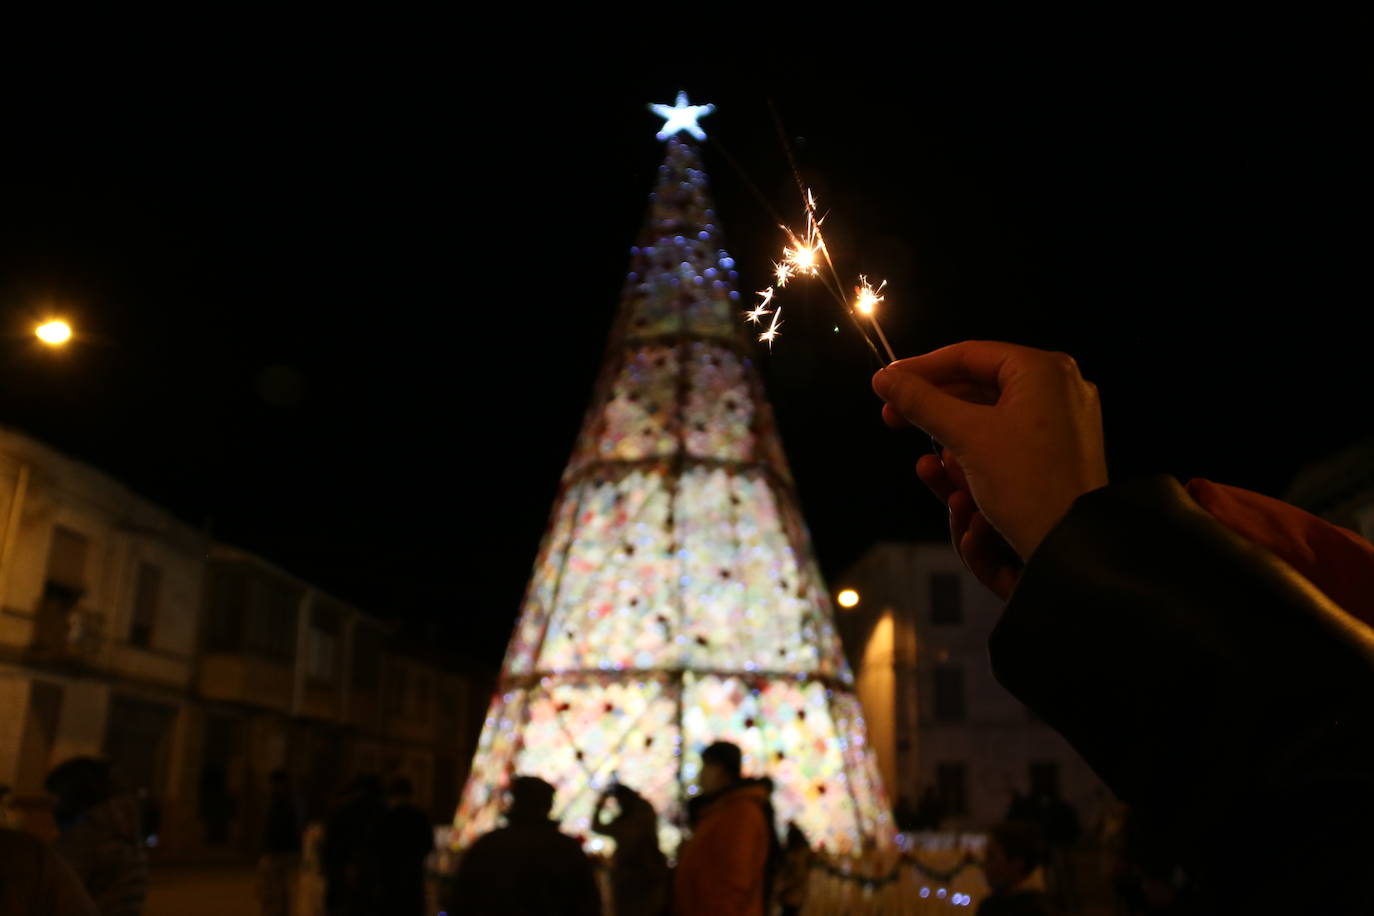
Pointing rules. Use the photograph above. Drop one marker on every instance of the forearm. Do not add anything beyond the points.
(1196, 673)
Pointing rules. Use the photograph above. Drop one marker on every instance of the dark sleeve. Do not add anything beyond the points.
(424, 833)
(469, 884)
(1209, 685)
(62, 892)
(586, 892)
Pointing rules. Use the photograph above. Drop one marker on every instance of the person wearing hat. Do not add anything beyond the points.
(726, 867)
(527, 866)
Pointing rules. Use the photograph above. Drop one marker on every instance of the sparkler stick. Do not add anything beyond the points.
(800, 257)
(863, 303)
(866, 303)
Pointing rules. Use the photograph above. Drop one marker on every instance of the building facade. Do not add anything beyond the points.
(197, 668)
(938, 719)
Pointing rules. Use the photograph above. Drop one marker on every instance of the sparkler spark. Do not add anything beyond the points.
(801, 259)
(802, 256)
(866, 297)
(771, 334)
(782, 272)
(866, 301)
(805, 255)
(762, 308)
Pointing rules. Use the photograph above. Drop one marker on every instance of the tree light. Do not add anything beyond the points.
(54, 333)
(848, 598)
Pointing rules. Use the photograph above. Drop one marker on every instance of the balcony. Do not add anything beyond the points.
(248, 679)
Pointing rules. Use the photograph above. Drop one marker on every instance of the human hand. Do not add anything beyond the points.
(986, 554)
(1022, 425)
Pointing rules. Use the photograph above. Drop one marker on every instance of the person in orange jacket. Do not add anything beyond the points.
(725, 868)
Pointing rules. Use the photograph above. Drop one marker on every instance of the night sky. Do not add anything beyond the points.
(347, 308)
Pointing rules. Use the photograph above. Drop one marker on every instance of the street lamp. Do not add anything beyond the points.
(848, 598)
(54, 333)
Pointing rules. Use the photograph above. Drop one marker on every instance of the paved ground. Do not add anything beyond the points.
(205, 890)
(230, 890)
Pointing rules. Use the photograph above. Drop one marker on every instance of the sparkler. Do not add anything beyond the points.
(771, 334)
(866, 301)
(802, 256)
(757, 313)
(782, 272)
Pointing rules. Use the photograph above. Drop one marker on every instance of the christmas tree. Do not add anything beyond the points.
(675, 600)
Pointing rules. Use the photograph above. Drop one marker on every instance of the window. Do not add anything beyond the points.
(147, 593)
(951, 780)
(945, 606)
(67, 559)
(1044, 778)
(322, 644)
(367, 659)
(447, 706)
(419, 706)
(226, 601)
(272, 629)
(63, 586)
(396, 683)
(138, 742)
(39, 737)
(949, 695)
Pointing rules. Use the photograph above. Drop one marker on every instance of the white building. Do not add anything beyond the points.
(99, 601)
(197, 668)
(937, 718)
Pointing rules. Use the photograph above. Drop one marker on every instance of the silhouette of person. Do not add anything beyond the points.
(101, 836)
(1013, 865)
(527, 866)
(639, 870)
(405, 840)
(281, 847)
(795, 878)
(350, 857)
(724, 868)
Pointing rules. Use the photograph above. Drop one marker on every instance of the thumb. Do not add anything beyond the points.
(923, 404)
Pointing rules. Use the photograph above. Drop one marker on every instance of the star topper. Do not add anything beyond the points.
(681, 116)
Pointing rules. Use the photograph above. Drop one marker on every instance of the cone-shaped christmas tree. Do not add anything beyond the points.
(675, 600)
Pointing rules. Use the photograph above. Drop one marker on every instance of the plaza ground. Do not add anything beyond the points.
(207, 890)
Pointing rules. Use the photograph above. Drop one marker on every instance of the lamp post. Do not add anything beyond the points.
(54, 332)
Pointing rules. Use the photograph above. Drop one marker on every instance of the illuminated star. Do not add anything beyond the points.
(682, 116)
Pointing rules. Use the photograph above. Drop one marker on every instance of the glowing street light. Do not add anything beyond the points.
(848, 598)
(54, 333)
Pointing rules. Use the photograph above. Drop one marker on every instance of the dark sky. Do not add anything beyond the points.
(349, 307)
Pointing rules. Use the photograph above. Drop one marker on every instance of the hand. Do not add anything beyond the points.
(980, 547)
(1023, 426)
